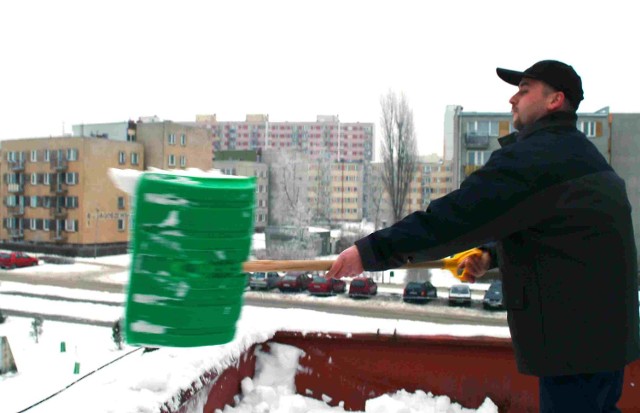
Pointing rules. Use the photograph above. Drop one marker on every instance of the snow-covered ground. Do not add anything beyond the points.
(143, 382)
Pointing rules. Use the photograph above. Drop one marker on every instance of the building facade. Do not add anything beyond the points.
(473, 136)
(248, 163)
(326, 138)
(57, 195)
(171, 145)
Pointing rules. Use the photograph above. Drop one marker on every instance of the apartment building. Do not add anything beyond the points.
(248, 163)
(326, 138)
(172, 145)
(470, 137)
(432, 179)
(336, 191)
(57, 196)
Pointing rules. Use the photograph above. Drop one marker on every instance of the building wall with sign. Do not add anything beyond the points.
(56, 191)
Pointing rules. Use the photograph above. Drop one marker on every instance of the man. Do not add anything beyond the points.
(555, 217)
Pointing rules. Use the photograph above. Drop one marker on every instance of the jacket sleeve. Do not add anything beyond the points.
(490, 204)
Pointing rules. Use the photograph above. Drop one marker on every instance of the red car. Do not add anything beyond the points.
(363, 287)
(326, 286)
(294, 281)
(16, 259)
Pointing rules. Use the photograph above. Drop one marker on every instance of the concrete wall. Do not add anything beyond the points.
(625, 159)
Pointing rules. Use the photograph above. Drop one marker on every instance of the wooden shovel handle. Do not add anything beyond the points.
(314, 265)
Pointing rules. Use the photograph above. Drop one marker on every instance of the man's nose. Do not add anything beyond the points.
(514, 99)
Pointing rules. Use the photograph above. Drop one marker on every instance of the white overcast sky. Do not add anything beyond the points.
(67, 62)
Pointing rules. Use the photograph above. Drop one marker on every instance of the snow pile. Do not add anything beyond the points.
(272, 390)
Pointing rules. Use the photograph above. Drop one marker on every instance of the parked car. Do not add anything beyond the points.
(326, 286)
(493, 297)
(363, 287)
(419, 292)
(16, 259)
(264, 280)
(294, 281)
(460, 294)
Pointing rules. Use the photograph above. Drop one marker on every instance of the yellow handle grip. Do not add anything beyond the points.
(452, 263)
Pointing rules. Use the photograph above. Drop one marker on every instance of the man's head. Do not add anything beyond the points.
(547, 86)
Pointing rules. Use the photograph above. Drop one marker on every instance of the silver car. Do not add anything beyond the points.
(460, 294)
(263, 280)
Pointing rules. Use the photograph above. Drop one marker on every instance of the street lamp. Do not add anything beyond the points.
(95, 239)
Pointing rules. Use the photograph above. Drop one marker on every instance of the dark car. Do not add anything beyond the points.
(419, 292)
(326, 286)
(264, 280)
(294, 281)
(493, 297)
(16, 259)
(363, 287)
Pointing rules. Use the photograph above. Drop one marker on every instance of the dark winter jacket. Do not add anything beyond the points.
(561, 222)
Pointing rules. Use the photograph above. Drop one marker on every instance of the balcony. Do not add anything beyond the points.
(58, 188)
(475, 141)
(57, 236)
(59, 165)
(58, 212)
(15, 210)
(15, 188)
(469, 169)
(16, 165)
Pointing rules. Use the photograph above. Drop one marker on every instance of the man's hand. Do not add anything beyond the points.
(476, 265)
(347, 264)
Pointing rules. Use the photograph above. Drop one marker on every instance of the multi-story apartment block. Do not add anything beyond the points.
(431, 180)
(336, 191)
(57, 196)
(470, 137)
(171, 145)
(248, 163)
(326, 138)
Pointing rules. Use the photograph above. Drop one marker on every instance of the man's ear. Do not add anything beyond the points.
(556, 101)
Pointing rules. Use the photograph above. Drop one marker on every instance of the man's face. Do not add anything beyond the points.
(530, 103)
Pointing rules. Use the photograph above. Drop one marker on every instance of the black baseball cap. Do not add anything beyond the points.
(558, 75)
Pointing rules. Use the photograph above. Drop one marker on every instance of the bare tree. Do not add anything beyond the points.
(321, 188)
(290, 215)
(399, 150)
(374, 191)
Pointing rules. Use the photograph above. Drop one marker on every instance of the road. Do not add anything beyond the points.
(387, 305)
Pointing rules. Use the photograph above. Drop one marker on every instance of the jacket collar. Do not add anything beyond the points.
(555, 119)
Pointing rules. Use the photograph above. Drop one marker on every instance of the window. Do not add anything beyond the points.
(47, 155)
(478, 158)
(71, 202)
(183, 140)
(70, 225)
(483, 127)
(46, 179)
(121, 202)
(34, 156)
(33, 201)
(45, 224)
(122, 157)
(71, 178)
(34, 179)
(134, 158)
(121, 224)
(172, 160)
(32, 224)
(72, 154)
(172, 139)
(183, 161)
(588, 128)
